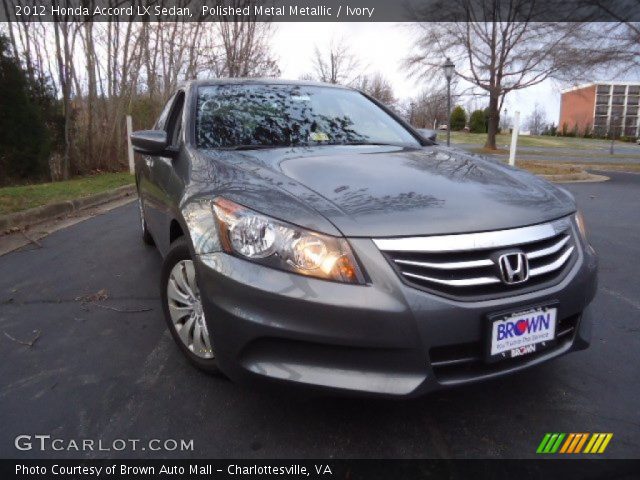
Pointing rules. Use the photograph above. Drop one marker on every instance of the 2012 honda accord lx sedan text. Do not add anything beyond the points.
(311, 236)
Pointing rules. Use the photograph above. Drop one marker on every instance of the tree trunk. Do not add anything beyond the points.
(64, 85)
(494, 118)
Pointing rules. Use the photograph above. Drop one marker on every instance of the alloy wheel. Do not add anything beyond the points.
(185, 309)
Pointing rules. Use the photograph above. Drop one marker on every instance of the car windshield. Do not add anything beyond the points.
(254, 116)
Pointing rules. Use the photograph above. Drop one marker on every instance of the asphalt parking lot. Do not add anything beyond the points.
(113, 372)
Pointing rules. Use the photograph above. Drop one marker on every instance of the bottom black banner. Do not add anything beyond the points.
(326, 469)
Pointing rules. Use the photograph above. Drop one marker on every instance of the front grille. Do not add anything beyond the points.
(465, 266)
(461, 362)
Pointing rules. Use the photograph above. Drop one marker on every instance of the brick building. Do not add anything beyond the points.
(597, 107)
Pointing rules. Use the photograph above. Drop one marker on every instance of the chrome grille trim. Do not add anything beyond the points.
(448, 265)
(466, 282)
(555, 265)
(431, 263)
(473, 241)
(549, 250)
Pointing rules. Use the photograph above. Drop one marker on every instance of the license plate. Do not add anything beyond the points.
(522, 333)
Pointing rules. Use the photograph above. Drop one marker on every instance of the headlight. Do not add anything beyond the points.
(276, 244)
(582, 227)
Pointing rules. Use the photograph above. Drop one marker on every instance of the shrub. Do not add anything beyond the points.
(458, 118)
(25, 140)
(478, 122)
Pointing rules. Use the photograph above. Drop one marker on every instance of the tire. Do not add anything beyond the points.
(183, 309)
(147, 239)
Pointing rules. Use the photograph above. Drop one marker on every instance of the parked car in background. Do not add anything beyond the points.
(311, 236)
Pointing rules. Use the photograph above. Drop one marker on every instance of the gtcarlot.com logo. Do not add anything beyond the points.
(48, 443)
(574, 443)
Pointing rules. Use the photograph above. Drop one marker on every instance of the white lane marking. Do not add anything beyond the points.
(619, 296)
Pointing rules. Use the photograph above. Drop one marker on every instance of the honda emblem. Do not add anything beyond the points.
(514, 268)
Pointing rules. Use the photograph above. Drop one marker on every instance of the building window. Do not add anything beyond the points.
(600, 130)
(602, 89)
(619, 89)
(602, 109)
(631, 121)
(631, 111)
(602, 100)
(618, 100)
(633, 100)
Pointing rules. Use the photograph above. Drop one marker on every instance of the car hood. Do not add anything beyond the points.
(381, 191)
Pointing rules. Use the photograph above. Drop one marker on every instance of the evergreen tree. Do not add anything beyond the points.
(478, 122)
(458, 118)
(25, 140)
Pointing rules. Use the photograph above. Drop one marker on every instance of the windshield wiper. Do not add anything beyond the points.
(262, 146)
(373, 143)
(249, 147)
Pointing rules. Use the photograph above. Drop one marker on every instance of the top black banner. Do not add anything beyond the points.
(321, 10)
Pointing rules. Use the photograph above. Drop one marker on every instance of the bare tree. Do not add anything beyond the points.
(378, 87)
(65, 34)
(101, 71)
(428, 109)
(622, 33)
(246, 49)
(537, 120)
(335, 63)
(499, 47)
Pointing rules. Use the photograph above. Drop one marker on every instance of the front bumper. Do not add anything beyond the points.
(383, 338)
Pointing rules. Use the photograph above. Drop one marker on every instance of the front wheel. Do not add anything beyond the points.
(183, 307)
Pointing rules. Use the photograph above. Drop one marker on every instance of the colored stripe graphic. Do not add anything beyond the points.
(543, 443)
(553, 443)
(598, 442)
(577, 438)
(591, 442)
(606, 442)
(567, 442)
(556, 445)
(581, 442)
(550, 443)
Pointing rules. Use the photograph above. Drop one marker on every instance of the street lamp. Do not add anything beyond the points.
(614, 120)
(449, 69)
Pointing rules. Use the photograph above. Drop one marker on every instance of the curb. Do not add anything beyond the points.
(61, 209)
(575, 177)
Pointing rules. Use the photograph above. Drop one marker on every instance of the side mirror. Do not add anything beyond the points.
(428, 134)
(150, 142)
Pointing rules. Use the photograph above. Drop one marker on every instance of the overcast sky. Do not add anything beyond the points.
(382, 47)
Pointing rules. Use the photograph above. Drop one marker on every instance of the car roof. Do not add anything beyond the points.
(260, 81)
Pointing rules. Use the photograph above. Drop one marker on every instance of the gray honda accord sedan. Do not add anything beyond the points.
(311, 236)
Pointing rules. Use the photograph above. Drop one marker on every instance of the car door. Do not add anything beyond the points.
(168, 184)
(147, 188)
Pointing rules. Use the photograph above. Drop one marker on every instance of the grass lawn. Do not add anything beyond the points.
(553, 168)
(549, 168)
(528, 140)
(553, 153)
(14, 199)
